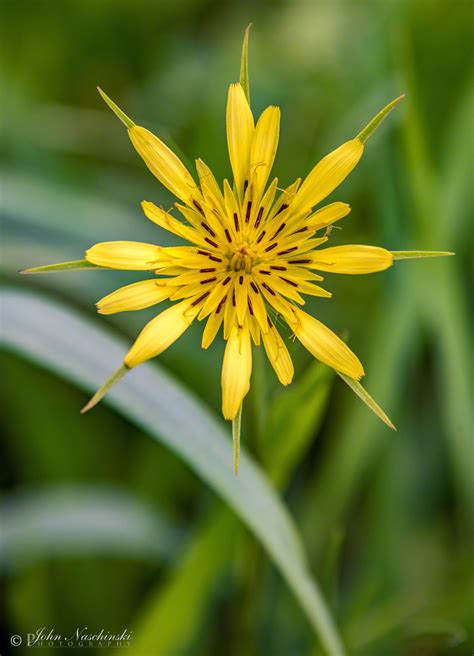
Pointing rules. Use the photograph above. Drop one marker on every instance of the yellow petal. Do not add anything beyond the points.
(161, 332)
(130, 255)
(212, 328)
(264, 147)
(168, 222)
(210, 189)
(136, 296)
(352, 259)
(240, 127)
(328, 215)
(164, 164)
(327, 175)
(236, 370)
(325, 345)
(278, 355)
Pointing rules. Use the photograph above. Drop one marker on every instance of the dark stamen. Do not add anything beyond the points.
(228, 237)
(300, 230)
(233, 297)
(259, 217)
(290, 282)
(209, 241)
(203, 253)
(250, 306)
(201, 298)
(207, 270)
(247, 213)
(204, 282)
(278, 268)
(215, 259)
(219, 307)
(246, 184)
(206, 227)
(236, 222)
(279, 230)
(299, 261)
(269, 289)
(262, 234)
(224, 282)
(198, 207)
(288, 250)
(241, 280)
(283, 207)
(254, 287)
(266, 273)
(270, 248)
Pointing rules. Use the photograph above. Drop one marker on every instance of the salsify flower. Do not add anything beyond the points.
(254, 251)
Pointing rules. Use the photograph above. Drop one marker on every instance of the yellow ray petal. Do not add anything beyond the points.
(129, 255)
(278, 355)
(164, 164)
(212, 328)
(263, 150)
(258, 307)
(240, 127)
(325, 345)
(161, 332)
(236, 370)
(210, 189)
(327, 175)
(168, 222)
(137, 296)
(328, 215)
(241, 295)
(353, 259)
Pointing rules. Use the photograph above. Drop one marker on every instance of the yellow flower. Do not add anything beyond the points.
(254, 251)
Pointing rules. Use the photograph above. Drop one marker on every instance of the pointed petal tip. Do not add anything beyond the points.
(378, 119)
(116, 109)
(102, 391)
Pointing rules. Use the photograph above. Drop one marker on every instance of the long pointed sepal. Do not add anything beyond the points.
(236, 426)
(102, 391)
(378, 119)
(244, 64)
(362, 393)
(116, 110)
(75, 265)
(415, 255)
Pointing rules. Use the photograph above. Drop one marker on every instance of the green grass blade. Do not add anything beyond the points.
(170, 619)
(298, 411)
(81, 351)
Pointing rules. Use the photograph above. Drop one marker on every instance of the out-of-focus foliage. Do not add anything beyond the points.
(384, 517)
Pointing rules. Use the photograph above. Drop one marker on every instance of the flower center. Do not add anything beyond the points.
(242, 259)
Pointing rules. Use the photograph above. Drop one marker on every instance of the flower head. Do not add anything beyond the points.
(253, 251)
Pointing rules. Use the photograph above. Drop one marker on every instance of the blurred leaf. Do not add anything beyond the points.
(169, 621)
(72, 520)
(80, 351)
(294, 419)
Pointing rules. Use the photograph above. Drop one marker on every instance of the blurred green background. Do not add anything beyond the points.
(105, 527)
